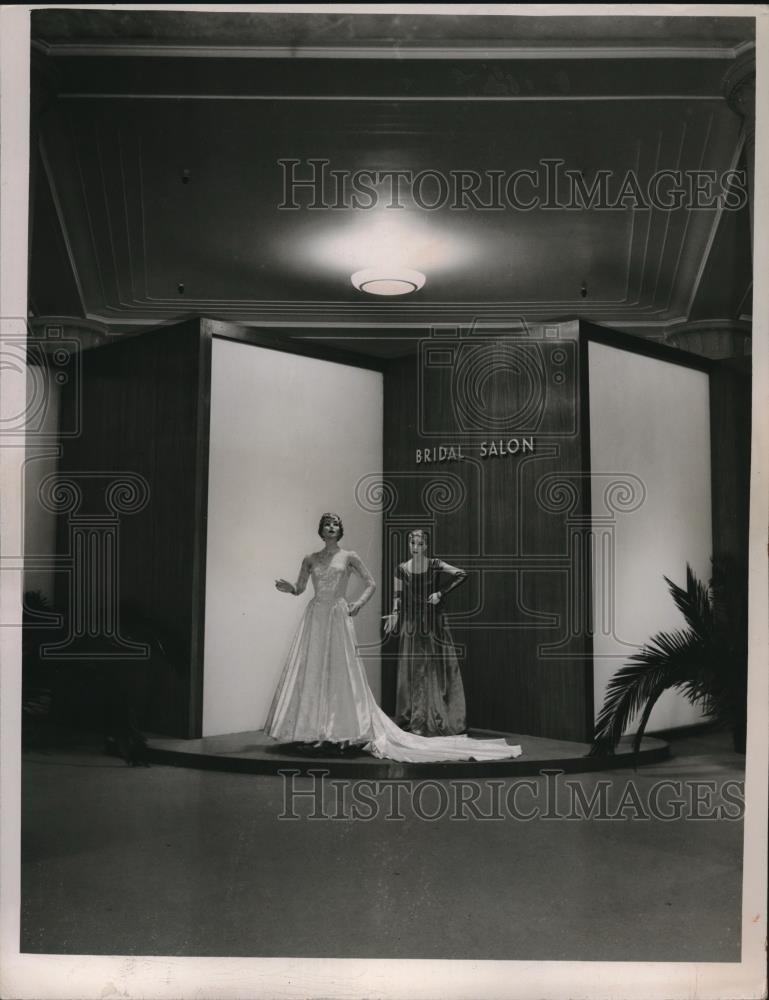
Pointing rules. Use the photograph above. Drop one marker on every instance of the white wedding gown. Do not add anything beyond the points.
(323, 692)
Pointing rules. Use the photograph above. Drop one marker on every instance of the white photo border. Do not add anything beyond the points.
(37, 976)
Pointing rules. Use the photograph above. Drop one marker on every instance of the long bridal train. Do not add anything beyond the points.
(323, 693)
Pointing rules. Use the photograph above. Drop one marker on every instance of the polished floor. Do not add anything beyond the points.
(176, 861)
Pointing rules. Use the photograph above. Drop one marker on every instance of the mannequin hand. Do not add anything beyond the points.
(435, 598)
(284, 586)
(390, 624)
(353, 609)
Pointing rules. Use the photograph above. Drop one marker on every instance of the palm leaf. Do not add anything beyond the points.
(706, 662)
(670, 659)
(694, 603)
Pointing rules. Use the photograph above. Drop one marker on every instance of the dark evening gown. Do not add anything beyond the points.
(323, 692)
(430, 698)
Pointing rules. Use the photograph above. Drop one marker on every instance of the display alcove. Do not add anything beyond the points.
(566, 467)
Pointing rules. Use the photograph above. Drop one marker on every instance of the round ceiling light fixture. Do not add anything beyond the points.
(388, 281)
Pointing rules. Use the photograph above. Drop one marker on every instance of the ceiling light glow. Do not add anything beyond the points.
(343, 245)
(388, 281)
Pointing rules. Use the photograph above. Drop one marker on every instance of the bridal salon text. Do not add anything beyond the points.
(499, 448)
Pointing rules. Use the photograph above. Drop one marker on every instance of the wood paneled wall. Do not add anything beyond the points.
(730, 427)
(515, 522)
(143, 404)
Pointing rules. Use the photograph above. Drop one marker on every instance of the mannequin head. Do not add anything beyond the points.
(418, 542)
(330, 519)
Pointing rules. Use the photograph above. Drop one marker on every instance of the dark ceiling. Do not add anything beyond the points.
(157, 183)
(397, 31)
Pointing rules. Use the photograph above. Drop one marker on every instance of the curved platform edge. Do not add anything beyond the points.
(207, 754)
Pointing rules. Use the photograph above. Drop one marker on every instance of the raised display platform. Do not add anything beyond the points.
(257, 753)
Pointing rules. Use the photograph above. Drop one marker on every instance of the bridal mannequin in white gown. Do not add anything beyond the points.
(323, 693)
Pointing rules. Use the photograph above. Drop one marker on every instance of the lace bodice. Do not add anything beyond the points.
(330, 579)
(330, 576)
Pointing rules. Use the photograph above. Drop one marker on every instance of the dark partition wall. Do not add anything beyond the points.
(509, 509)
(730, 422)
(486, 445)
(133, 548)
(730, 398)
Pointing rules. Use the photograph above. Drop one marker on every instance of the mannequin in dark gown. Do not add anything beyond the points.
(430, 698)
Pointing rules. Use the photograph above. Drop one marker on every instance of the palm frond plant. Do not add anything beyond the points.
(706, 661)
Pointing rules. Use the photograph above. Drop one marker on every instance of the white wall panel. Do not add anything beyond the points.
(650, 419)
(290, 438)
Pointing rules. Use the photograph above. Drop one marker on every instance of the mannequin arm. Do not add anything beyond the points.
(391, 620)
(458, 577)
(301, 581)
(361, 569)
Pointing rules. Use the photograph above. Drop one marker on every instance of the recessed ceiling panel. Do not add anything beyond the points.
(244, 207)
